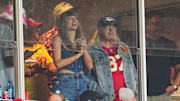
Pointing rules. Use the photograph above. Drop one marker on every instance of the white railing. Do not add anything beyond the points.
(19, 58)
(142, 47)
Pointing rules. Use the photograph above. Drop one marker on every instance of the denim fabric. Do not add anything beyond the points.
(77, 65)
(72, 85)
(101, 75)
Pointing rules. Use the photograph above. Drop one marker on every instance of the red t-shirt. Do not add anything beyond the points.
(116, 69)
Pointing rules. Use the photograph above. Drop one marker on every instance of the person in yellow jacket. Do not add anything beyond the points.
(38, 63)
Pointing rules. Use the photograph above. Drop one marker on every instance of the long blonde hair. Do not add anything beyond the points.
(62, 28)
(97, 38)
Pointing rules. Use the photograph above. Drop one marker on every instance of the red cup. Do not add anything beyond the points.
(5, 95)
(26, 96)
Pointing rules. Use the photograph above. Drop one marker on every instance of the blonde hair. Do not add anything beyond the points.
(97, 38)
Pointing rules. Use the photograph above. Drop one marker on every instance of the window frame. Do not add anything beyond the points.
(19, 51)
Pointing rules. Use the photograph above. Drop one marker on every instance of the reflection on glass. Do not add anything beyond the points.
(162, 57)
(6, 44)
(70, 53)
(38, 63)
(67, 44)
(113, 65)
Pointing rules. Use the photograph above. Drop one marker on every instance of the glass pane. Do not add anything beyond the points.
(7, 39)
(163, 55)
(74, 46)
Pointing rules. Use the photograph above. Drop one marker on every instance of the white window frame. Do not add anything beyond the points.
(142, 82)
(19, 51)
(19, 74)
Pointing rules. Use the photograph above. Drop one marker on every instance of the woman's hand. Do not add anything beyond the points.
(82, 42)
(84, 51)
(78, 55)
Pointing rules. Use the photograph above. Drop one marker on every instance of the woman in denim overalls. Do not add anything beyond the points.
(70, 55)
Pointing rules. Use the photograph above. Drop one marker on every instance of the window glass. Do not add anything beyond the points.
(76, 45)
(162, 49)
(7, 39)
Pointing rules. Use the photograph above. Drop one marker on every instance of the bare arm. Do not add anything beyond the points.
(86, 57)
(177, 79)
(171, 88)
(52, 67)
(59, 62)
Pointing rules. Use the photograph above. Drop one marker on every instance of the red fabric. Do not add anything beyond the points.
(47, 37)
(26, 96)
(116, 69)
(17, 100)
(31, 22)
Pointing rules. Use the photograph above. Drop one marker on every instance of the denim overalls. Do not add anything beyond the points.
(72, 85)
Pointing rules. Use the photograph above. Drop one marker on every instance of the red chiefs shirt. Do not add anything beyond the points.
(116, 69)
